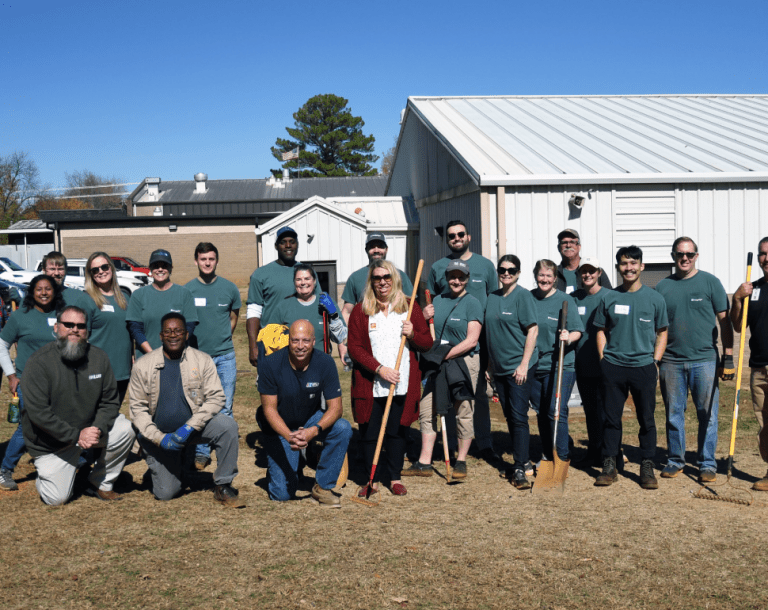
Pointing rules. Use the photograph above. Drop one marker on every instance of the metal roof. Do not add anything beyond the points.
(395, 212)
(28, 225)
(509, 140)
(298, 189)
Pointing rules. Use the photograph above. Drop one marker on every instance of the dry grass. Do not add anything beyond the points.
(478, 544)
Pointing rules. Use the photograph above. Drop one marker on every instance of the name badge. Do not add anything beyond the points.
(755, 294)
(621, 309)
(51, 321)
(372, 326)
(582, 311)
(569, 289)
(199, 302)
(106, 307)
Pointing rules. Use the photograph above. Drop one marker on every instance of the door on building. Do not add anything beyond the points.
(326, 275)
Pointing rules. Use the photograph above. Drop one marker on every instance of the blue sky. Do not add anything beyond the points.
(135, 88)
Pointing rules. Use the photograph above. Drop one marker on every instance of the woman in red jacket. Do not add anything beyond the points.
(376, 326)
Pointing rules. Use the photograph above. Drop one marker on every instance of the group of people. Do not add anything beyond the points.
(481, 327)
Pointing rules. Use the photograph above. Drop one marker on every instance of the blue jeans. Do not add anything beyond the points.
(514, 403)
(16, 447)
(543, 393)
(283, 462)
(701, 378)
(226, 367)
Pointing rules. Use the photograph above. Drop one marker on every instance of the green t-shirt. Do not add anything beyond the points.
(631, 320)
(30, 330)
(110, 333)
(507, 322)
(213, 303)
(148, 305)
(482, 278)
(548, 315)
(571, 280)
(587, 357)
(353, 291)
(81, 299)
(291, 309)
(452, 318)
(692, 307)
(269, 285)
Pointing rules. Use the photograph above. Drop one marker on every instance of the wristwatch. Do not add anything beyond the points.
(319, 428)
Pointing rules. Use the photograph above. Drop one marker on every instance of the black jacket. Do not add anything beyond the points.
(450, 378)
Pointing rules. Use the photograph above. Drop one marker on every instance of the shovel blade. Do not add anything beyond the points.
(551, 476)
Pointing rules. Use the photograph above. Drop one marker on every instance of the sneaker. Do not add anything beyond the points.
(202, 462)
(671, 471)
(647, 478)
(460, 470)
(761, 485)
(228, 496)
(325, 497)
(6, 481)
(519, 480)
(706, 476)
(609, 474)
(530, 469)
(398, 489)
(417, 469)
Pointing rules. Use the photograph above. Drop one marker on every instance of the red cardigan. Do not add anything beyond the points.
(359, 344)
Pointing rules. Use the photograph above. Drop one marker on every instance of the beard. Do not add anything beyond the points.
(72, 351)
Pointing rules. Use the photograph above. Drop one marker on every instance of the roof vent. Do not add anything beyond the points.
(200, 183)
(153, 188)
(286, 175)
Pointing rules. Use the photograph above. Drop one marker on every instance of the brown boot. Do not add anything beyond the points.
(762, 484)
(609, 474)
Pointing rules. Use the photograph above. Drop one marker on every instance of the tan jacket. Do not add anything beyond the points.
(202, 389)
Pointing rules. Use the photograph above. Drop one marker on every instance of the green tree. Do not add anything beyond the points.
(330, 140)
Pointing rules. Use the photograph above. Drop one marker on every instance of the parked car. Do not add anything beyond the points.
(13, 272)
(129, 281)
(129, 264)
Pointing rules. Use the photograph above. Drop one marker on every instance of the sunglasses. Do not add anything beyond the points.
(95, 270)
(154, 266)
(77, 325)
(682, 255)
(460, 235)
(507, 270)
(381, 278)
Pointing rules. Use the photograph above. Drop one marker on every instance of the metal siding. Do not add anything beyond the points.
(465, 208)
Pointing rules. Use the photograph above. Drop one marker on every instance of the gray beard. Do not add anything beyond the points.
(72, 351)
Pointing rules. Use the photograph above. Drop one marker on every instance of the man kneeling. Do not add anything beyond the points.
(291, 383)
(175, 398)
(70, 404)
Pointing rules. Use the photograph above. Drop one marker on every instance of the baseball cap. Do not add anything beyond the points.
(590, 261)
(457, 265)
(375, 236)
(283, 231)
(569, 232)
(160, 256)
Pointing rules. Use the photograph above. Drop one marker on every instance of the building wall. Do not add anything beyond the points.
(236, 245)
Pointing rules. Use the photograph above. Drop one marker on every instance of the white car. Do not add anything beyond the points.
(129, 281)
(13, 272)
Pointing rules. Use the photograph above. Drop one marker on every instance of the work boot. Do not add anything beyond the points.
(325, 497)
(227, 496)
(609, 474)
(762, 484)
(647, 478)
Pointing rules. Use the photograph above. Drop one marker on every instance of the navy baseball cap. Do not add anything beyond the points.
(283, 231)
(160, 256)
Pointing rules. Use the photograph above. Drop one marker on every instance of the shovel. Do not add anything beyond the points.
(551, 476)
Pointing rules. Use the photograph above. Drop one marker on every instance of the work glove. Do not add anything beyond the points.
(327, 303)
(175, 441)
(727, 368)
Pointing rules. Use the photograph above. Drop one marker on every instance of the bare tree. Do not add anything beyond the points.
(85, 184)
(388, 160)
(19, 185)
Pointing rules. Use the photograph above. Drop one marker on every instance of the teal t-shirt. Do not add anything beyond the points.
(269, 285)
(213, 303)
(30, 330)
(631, 320)
(148, 305)
(507, 322)
(110, 333)
(548, 315)
(692, 308)
(482, 277)
(452, 317)
(571, 280)
(81, 299)
(587, 357)
(355, 287)
(291, 309)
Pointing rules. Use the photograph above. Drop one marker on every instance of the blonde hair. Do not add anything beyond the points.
(545, 263)
(93, 290)
(396, 297)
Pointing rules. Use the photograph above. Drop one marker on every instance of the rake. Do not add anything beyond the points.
(711, 492)
(370, 492)
(448, 472)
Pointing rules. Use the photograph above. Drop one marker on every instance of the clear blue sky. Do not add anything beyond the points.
(164, 88)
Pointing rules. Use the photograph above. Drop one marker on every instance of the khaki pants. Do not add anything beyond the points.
(464, 409)
(758, 384)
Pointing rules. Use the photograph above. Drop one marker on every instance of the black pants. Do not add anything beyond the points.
(591, 391)
(393, 447)
(620, 381)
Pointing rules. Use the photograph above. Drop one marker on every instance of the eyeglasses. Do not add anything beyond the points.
(77, 325)
(377, 279)
(460, 235)
(569, 242)
(682, 255)
(95, 270)
(173, 332)
(507, 270)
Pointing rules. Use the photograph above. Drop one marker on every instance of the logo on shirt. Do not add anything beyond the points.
(506, 313)
(223, 305)
(176, 310)
(313, 384)
(94, 376)
(373, 326)
(696, 300)
(455, 320)
(478, 281)
(644, 320)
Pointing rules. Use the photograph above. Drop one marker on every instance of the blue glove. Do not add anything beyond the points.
(328, 304)
(169, 443)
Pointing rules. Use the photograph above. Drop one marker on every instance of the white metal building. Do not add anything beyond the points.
(649, 169)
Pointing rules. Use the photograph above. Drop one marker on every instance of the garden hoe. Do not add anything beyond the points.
(551, 475)
(448, 473)
(370, 492)
(710, 492)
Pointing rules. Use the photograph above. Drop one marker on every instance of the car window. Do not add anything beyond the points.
(14, 266)
(74, 270)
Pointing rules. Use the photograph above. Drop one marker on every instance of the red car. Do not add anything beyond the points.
(125, 263)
